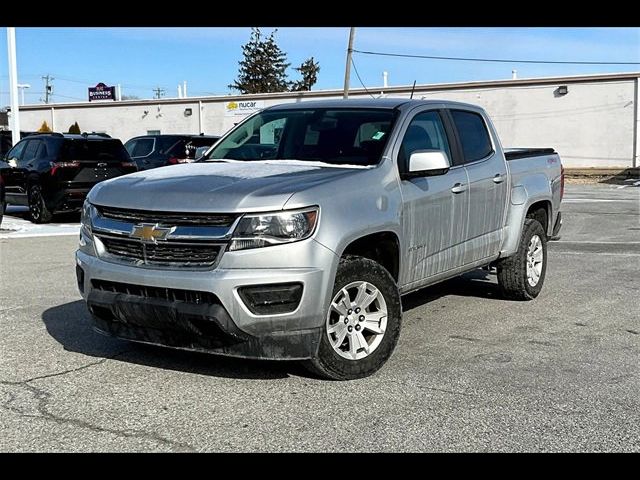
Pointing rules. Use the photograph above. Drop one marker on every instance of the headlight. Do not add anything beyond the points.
(265, 229)
(85, 217)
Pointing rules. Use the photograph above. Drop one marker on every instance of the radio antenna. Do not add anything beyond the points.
(413, 89)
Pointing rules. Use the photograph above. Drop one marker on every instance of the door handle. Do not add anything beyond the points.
(499, 178)
(459, 188)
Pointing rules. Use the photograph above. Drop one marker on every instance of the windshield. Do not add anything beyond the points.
(337, 136)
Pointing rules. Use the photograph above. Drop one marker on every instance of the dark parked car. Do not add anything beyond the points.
(52, 172)
(151, 151)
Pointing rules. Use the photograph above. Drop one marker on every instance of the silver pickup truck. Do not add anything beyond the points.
(296, 235)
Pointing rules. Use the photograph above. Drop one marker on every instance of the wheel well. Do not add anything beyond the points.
(381, 247)
(541, 211)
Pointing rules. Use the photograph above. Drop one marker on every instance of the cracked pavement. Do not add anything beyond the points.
(471, 372)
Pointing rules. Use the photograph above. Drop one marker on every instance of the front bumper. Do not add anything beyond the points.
(226, 325)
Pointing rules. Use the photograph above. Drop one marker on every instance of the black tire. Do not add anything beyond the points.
(512, 271)
(328, 363)
(3, 207)
(37, 206)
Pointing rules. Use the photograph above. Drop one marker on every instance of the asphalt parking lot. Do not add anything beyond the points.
(472, 372)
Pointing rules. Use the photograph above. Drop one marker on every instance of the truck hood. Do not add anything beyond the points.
(216, 186)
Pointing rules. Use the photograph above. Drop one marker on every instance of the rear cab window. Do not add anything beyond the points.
(110, 150)
(473, 134)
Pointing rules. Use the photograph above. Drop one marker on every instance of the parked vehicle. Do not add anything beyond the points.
(151, 151)
(52, 172)
(296, 235)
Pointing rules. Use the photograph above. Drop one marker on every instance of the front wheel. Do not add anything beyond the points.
(521, 276)
(37, 206)
(362, 323)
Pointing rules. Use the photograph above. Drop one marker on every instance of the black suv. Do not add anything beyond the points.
(151, 151)
(52, 172)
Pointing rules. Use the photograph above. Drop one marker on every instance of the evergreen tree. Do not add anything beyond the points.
(309, 71)
(44, 127)
(75, 128)
(263, 68)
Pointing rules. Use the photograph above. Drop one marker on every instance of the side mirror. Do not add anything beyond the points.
(427, 163)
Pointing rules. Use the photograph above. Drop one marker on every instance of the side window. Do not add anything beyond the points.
(30, 152)
(141, 148)
(476, 143)
(42, 151)
(15, 153)
(425, 132)
(271, 132)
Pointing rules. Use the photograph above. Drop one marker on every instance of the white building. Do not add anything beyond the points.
(591, 120)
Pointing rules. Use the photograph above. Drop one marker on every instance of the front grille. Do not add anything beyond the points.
(167, 218)
(190, 254)
(170, 294)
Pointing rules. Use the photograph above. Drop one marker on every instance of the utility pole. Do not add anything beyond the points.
(48, 87)
(159, 92)
(347, 70)
(13, 85)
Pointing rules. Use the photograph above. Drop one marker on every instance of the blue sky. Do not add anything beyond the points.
(207, 58)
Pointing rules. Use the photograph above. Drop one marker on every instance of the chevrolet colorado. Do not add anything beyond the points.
(295, 236)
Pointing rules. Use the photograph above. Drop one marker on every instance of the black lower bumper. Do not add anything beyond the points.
(69, 199)
(556, 228)
(202, 327)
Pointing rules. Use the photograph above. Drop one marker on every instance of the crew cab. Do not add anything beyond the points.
(297, 233)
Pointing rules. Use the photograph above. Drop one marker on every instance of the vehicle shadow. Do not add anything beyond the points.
(478, 283)
(23, 213)
(69, 324)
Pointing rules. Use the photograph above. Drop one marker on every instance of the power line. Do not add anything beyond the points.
(498, 60)
(358, 75)
(87, 82)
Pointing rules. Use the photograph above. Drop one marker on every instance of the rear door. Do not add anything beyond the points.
(487, 173)
(27, 163)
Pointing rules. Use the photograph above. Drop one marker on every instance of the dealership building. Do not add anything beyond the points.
(591, 120)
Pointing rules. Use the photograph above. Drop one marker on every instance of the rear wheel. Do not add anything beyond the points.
(362, 323)
(521, 276)
(37, 207)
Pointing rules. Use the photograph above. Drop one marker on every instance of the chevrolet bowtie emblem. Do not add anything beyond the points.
(150, 232)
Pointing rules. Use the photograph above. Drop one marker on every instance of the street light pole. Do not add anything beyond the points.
(22, 87)
(347, 69)
(13, 85)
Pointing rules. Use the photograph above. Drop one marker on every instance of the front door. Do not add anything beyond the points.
(435, 208)
(12, 174)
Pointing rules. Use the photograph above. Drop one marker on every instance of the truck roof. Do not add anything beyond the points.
(362, 103)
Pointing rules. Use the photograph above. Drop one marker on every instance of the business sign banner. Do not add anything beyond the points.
(243, 108)
(102, 92)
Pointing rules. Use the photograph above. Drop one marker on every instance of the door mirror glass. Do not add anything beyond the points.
(424, 163)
